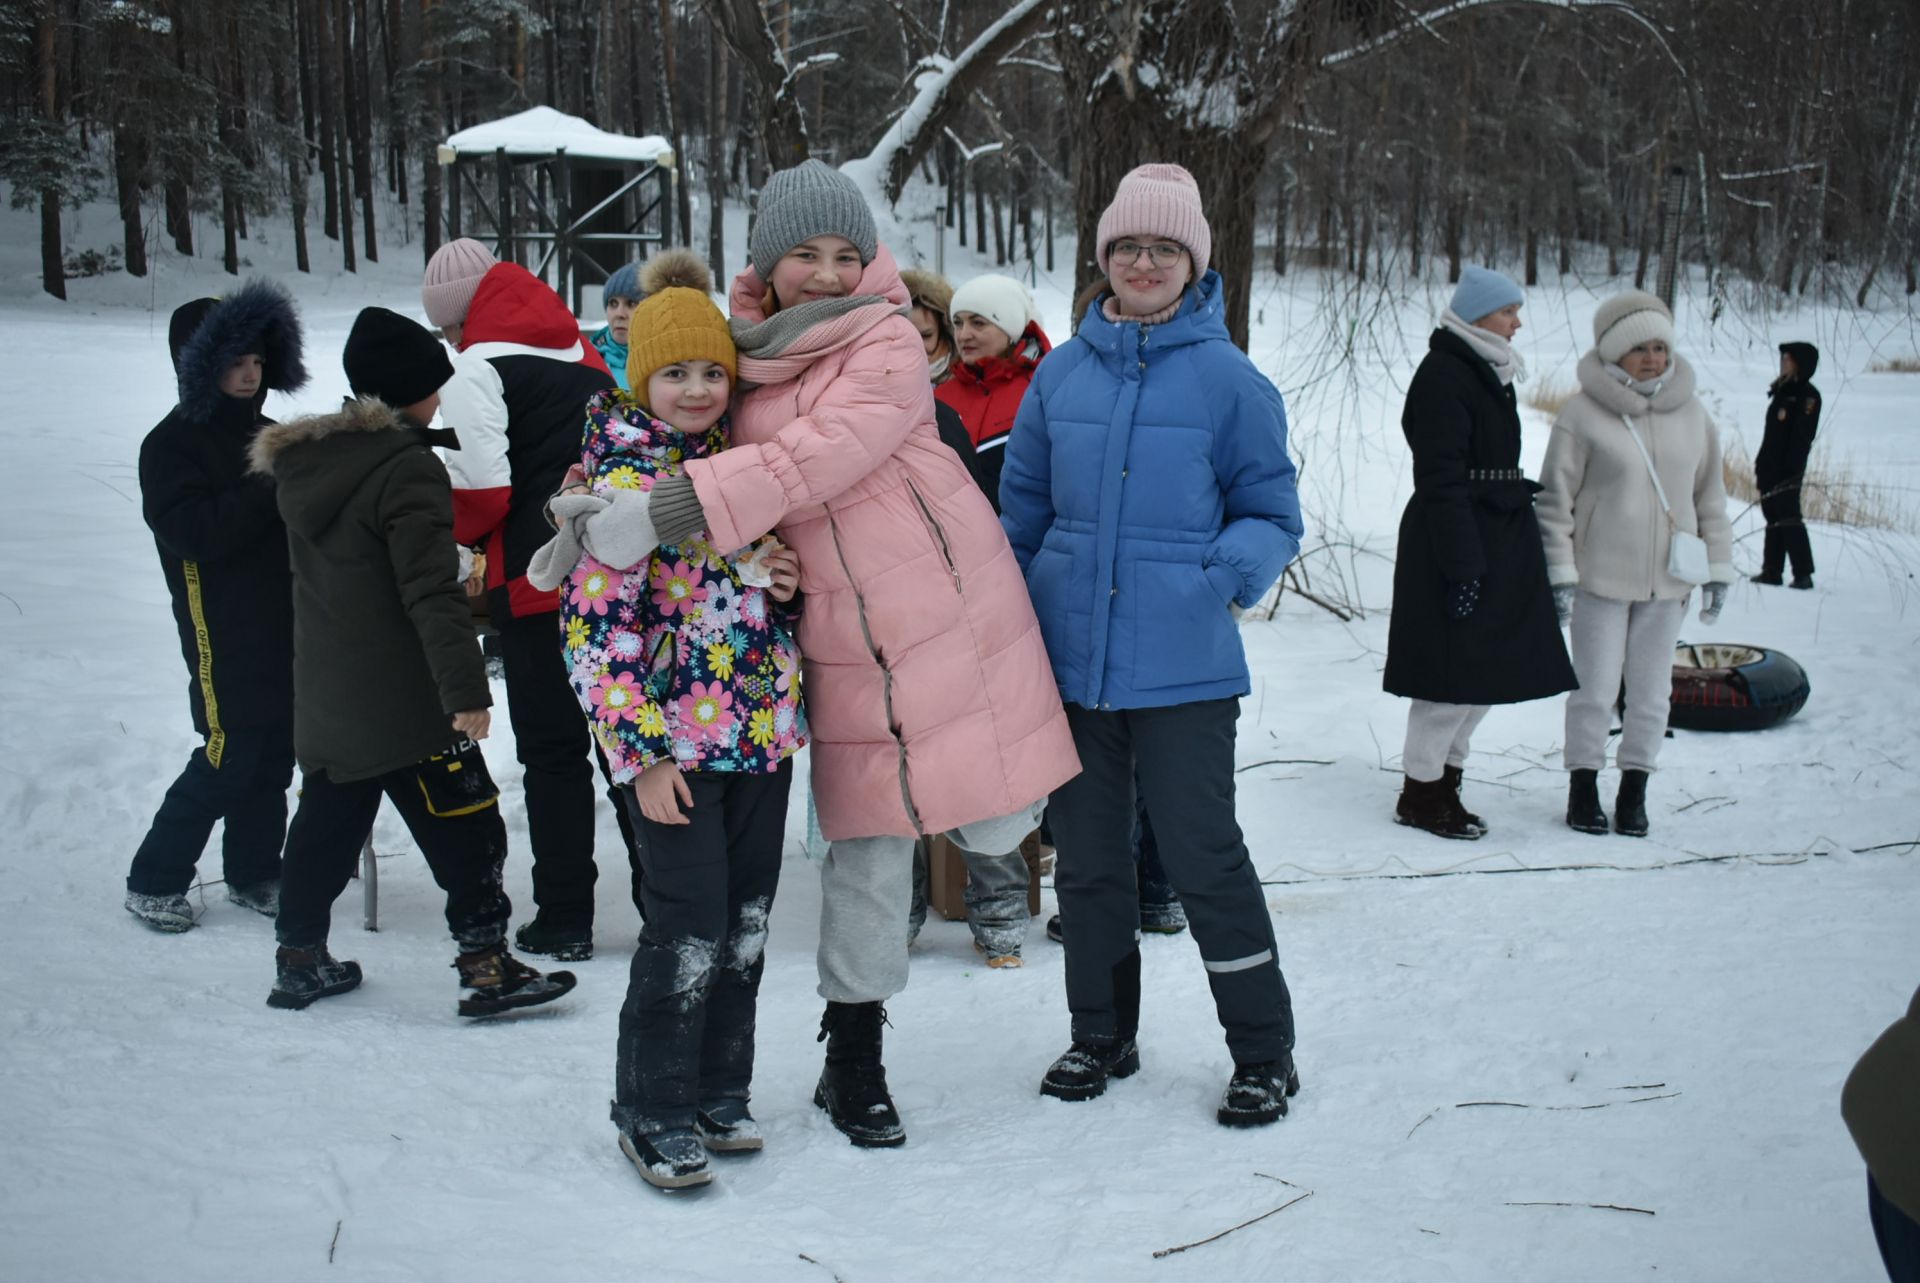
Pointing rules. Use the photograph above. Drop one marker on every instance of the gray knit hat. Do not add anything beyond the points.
(811, 199)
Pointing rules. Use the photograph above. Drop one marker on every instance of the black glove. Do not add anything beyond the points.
(1462, 598)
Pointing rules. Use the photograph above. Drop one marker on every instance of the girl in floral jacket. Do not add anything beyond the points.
(684, 661)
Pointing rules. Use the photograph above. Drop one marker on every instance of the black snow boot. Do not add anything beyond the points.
(1082, 1071)
(1257, 1093)
(1630, 807)
(853, 1086)
(668, 1160)
(1453, 777)
(1432, 805)
(307, 975)
(561, 941)
(1583, 802)
(493, 981)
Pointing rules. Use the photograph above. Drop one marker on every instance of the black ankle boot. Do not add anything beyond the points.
(1630, 807)
(1453, 777)
(1431, 805)
(1583, 802)
(1082, 1070)
(853, 1086)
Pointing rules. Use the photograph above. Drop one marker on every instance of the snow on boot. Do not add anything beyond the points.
(1630, 805)
(1583, 802)
(1165, 918)
(853, 1086)
(1257, 1093)
(304, 976)
(1082, 1070)
(1453, 777)
(262, 897)
(493, 981)
(169, 913)
(562, 942)
(727, 1128)
(1432, 806)
(667, 1160)
(998, 956)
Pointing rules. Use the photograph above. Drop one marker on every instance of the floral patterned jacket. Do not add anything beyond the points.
(677, 658)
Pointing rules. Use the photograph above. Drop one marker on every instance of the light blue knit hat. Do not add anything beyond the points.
(1482, 292)
(624, 283)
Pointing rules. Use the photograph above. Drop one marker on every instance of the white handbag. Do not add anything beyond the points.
(1686, 551)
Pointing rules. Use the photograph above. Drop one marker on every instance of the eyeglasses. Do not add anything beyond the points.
(1164, 254)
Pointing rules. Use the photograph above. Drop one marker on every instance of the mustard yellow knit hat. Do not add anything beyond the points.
(677, 321)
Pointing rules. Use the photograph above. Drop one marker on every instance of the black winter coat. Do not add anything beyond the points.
(222, 545)
(1458, 526)
(1793, 419)
(384, 648)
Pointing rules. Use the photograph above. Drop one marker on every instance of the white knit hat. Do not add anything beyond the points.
(1625, 321)
(1000, 299)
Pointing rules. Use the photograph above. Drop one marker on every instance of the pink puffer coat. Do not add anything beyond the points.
(929, 695)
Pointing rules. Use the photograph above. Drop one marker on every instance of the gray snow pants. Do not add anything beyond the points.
(866, 893)
(1184, 756)
(1613, 640)
(996, 897)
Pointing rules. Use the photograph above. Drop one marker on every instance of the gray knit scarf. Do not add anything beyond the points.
(794, 331)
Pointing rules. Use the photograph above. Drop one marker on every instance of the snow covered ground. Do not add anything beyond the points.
(1623, 1023)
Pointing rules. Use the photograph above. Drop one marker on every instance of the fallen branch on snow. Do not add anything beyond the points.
(1599, 1207)
(1170, 1251)
(828, 1268)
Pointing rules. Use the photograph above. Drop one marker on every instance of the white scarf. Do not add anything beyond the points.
(1649, 390)
(1494, 350)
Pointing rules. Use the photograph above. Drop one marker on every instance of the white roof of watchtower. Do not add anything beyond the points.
(542, 131)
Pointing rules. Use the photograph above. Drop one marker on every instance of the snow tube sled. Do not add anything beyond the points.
(1734, 688)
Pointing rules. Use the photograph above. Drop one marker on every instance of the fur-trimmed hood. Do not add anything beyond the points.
(258, 317)
(314, 485)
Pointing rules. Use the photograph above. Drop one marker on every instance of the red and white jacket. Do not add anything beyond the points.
(517, 401)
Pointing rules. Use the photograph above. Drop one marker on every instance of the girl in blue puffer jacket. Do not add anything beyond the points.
(1147, 493)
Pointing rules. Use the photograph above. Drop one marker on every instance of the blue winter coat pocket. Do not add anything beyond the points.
(1183, 632)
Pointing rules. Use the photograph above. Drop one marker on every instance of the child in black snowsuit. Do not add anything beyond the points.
(223, 549)
(390, 687)
(1793, 419)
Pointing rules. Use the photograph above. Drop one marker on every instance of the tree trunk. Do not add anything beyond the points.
(53, 269)
(430, 170)
(670, 105)
(360, 115)
(129, 163)
(320, 29)
(764, 70)
(1450, 232)
(716, 158)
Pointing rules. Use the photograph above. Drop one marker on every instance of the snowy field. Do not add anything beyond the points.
(1660, 1025)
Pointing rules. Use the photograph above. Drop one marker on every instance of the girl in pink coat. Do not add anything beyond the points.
(931, 701)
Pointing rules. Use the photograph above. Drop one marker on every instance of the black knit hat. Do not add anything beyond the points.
(393, 358)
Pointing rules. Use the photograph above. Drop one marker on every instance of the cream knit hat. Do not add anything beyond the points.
(1001, 299)
(1625, 321)
(1158, 200)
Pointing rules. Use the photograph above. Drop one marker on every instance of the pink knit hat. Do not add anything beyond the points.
(453, 274)
(1158, 200)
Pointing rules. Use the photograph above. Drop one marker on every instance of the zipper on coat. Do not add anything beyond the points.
(886, 674)
(939, 534)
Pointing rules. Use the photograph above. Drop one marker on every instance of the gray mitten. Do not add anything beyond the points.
(1712, 598)
(556, 558)
(1563, 602)
(622, 534)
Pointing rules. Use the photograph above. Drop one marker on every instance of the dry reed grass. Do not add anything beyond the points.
(1548, 396)
(1897, 365)
(1830, 492)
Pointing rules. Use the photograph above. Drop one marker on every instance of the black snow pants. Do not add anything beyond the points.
(687, 1026)
(247, 789)
(1184, 758)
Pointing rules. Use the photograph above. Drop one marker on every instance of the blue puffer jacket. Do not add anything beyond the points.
(1146, 487)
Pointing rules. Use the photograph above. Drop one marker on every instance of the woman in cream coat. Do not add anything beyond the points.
(1608, 541)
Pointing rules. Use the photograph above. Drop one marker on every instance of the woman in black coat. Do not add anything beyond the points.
(1473, 620)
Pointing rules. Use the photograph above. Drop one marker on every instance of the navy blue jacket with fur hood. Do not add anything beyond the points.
(222, 544)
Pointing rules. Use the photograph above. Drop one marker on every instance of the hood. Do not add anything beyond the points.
(1017, 364)
(1202, 316)
(1806, 358)
(512, 305)
(258, 317)
(314, 485)
(1676, 388)
(751, 300)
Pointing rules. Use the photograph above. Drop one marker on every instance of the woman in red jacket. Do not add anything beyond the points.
(999, 345)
